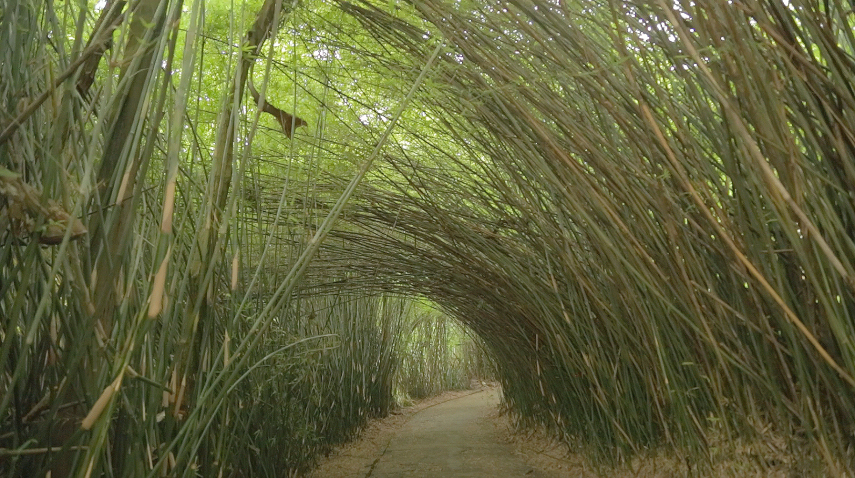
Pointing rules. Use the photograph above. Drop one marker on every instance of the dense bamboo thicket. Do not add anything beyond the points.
(643, 210)
(157, 314)
(440, 356)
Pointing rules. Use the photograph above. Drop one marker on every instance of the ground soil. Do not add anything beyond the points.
(456, 434)
(463, 434)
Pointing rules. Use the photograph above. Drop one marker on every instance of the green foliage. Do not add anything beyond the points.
(641, 210)
(439, 355)
(636, 206)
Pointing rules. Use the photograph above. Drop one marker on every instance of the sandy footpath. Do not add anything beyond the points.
(462, 434)
(457, 434)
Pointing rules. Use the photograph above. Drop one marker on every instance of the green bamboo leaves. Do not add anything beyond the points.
(619, 190)
(640, 211)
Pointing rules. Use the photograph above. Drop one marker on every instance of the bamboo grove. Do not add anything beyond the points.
(642, 211)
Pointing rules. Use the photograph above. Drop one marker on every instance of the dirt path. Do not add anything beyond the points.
(454, 436)
(460, 434)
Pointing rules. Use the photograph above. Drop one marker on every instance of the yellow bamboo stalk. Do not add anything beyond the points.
(179, 398)
(101, 403)
(235, 268)
(156, 299)
(168, 207)
(226, 341)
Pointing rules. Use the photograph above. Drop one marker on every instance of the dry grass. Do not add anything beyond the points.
(766, 457)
